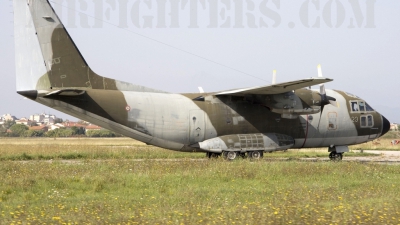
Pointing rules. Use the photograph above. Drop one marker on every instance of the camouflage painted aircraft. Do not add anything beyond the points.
(250, 121)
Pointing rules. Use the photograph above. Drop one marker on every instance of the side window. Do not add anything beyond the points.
(366, 121)
(363, 121)
(370, 121)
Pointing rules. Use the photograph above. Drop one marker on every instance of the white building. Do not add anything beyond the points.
(55, 126)
(23, 121)
(43, 118)
(8, 116)
(49, 119)
(37, 118)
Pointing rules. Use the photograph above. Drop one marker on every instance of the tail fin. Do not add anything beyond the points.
(46, 56)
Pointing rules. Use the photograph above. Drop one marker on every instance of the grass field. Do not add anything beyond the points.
(115, 148)
(103, 186)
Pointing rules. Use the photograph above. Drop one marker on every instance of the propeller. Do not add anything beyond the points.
(274, 77)
(325, 100)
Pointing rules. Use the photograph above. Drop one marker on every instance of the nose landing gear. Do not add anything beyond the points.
(336, 152)
(334, 156)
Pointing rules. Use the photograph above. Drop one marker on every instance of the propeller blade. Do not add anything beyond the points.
(319, 70)
(274, 77)
(334, 103)
(321, 86)
(322, 89)
(324, 99)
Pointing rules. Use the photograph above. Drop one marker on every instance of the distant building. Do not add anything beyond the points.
(55, 126)
(23, 121)
(394, 127)
(43, 118)
(48, 120)
(37, 118)
(93, 127)
(69, 124)
(43, 128)
(6, 117)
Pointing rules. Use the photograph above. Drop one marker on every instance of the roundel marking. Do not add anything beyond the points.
(128, 108)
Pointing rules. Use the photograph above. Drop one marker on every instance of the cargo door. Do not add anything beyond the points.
(197, 126)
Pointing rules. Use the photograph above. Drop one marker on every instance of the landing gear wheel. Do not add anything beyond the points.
(334, 156)
(212, 155)
(255, 155)
(230, 155)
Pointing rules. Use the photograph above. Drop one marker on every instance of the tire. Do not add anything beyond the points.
(334, 156)
(256, 155)
(230, 155)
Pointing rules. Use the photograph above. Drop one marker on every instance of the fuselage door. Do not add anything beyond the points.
(332, 121)
(197, 126)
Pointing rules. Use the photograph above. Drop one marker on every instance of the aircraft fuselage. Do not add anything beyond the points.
(176, 121)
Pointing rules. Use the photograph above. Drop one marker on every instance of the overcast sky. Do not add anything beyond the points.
(178, 45)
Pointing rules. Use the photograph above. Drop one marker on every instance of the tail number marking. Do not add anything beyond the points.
(354, 119)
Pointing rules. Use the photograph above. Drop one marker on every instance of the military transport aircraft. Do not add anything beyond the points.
(249, 121)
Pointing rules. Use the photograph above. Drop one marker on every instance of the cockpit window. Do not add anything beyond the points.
(369, 108)
(360, 106)
(354, 106)
(351, 95)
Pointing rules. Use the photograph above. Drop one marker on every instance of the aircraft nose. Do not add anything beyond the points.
(385, 126)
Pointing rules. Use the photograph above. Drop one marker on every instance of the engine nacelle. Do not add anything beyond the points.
(248, 142)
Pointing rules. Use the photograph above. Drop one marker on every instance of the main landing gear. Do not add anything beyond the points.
(212, 155)
(232, 155)
(256, 155)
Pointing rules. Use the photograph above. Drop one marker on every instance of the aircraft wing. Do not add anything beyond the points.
(277, 88)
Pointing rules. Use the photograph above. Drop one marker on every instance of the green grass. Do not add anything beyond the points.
(102, 184)
(18, 149)
(205, 192)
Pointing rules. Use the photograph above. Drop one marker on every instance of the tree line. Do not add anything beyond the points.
(21, 130)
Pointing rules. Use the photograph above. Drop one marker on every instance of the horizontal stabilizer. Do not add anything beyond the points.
(67, 92)
(277, 88)
(33, 94)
